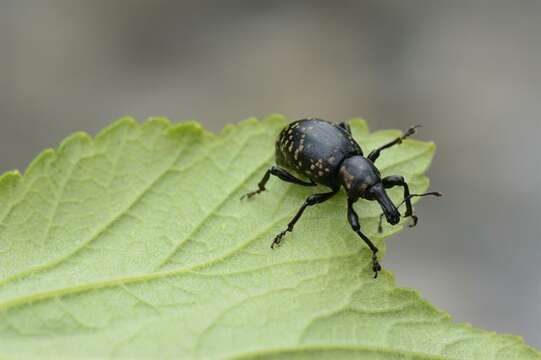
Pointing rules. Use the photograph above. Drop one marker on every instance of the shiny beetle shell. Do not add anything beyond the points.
(314, 148)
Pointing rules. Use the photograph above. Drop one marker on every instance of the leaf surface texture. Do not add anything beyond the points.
(135, 245)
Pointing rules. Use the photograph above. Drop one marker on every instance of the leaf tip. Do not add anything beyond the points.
(187, 128)
(272, 120)
(160, 121)
(275, 119)
(358, 121)
(360, 124)
(10, 178)
(77, 138)
(42, 160)
(248, 121)
(120, 123)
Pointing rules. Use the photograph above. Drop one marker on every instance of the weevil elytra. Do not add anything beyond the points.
(326, 154)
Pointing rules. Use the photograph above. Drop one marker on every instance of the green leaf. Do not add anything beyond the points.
(135, 244)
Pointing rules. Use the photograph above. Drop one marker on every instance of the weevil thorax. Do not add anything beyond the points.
(358, 174)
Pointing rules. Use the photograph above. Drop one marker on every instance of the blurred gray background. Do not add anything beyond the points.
(469, 71)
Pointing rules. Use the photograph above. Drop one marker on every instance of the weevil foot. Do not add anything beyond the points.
(412, 130)
(251, 194)
(376, 267)
(414, 219)
(278, 239)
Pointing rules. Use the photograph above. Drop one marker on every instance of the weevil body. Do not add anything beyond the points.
(326, 154)
(315, 148)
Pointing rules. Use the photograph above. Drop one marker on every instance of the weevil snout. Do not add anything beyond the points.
(393, 217)
(389, 209)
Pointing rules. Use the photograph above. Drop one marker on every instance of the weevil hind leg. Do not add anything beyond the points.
(282, 174)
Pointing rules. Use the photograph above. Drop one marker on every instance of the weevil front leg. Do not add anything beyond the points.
(374, 154)
(396, 180)
(353, 219)
(281, 174)
(311, 200)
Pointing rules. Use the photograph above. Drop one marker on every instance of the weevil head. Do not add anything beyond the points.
(362, 179)
(358, 174)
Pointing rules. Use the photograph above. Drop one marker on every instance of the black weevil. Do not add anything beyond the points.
(327, 154)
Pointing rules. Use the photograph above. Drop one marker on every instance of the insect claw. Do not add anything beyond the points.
(250, 194)
(415, 220)
(278, 239)
(375, 265)
(412, 130)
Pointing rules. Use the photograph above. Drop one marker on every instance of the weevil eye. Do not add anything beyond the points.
(362, 189)
(371, 192)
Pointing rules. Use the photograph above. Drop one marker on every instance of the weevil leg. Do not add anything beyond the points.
(280, 173)
(344, 125)
(310, 200)
(374, 154)
(396, 180)
(353, 219)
